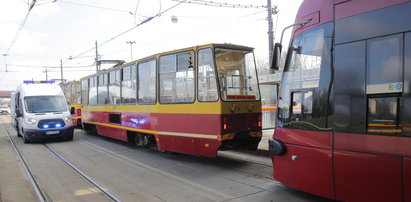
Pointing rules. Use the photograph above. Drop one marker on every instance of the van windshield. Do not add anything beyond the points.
(42, 104)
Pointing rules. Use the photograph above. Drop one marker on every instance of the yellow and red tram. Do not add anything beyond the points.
(72, 92)
(195, 100)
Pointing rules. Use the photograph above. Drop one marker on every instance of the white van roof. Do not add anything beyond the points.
(40, 89)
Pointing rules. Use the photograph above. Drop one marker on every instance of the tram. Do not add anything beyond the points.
(194, 100)
(72, 92)
(344, 113)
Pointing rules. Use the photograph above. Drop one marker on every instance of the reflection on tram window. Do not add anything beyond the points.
(92, 95)
(177, 78)
(207, 84)
(102, 89)
(383, 116)
(114, 87)
(128, 86)
(147, 82)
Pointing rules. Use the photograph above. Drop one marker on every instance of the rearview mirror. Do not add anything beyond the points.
(72, 110)
(275, 65)
(18, 114)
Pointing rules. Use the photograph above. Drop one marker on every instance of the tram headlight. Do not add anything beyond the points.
(31, 121)
(67, 119)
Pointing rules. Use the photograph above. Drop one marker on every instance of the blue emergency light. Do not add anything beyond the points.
(45, 126)
(58, 125)
(32, 82)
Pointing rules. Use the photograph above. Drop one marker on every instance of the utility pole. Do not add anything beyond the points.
(131, 47)
(5, 61)
(270, 32)
(96, 58)
(32, 4)
(61, 69)
(46, 75)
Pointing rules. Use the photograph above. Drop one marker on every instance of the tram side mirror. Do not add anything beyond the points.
(275, 65)
(72, 110)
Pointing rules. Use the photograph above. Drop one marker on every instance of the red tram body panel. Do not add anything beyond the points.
(343, 120)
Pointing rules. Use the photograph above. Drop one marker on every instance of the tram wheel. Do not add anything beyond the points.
(138, 140)
(146, 141)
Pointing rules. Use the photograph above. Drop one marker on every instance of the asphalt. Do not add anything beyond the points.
(261, 156)
(264, 141)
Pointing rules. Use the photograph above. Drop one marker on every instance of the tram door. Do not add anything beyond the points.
(370, 150)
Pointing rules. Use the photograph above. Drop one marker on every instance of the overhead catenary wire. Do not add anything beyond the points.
(93, 6)
(16, 36)
(220, 4)
(128, 30)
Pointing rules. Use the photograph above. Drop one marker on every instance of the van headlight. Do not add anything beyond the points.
(67, 119)
(31, 121)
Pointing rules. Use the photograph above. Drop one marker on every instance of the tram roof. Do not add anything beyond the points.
(70, 82)
(211, 45)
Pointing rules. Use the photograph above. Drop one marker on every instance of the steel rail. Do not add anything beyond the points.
(91, 180)
(39, 193)
(37, 189)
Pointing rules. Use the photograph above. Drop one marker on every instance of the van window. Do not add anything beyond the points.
(42, 104)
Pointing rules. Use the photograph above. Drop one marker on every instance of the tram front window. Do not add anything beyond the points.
(237, 75)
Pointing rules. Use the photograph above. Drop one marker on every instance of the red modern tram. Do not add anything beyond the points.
(344, 115)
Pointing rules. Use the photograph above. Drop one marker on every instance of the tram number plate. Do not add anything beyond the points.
(53, 132)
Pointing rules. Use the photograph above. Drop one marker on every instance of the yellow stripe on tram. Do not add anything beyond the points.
(216, 137)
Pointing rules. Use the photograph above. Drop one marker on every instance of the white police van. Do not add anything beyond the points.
(40, 112)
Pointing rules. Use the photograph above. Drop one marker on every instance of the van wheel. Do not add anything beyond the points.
(70, 137)
(25, 140)
(18, 132)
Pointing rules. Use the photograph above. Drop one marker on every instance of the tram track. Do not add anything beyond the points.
(41, 192)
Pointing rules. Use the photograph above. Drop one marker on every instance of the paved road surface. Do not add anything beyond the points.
(134, 174)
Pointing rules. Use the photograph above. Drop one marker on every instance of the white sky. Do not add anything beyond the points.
(63, 29)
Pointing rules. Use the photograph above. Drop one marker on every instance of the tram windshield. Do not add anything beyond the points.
(237, 75)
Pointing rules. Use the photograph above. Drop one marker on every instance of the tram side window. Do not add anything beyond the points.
(84, 92)
(67, 91)
(129, 86)
(114, 87)
(302, 105)
(296, 106)
(177, 78)
(384, 65)
(147, 82)
(383, 115)
(93, 91)
(102, 89)
(207, 83)
(75, 93)
(308, 103)
(384, 84)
